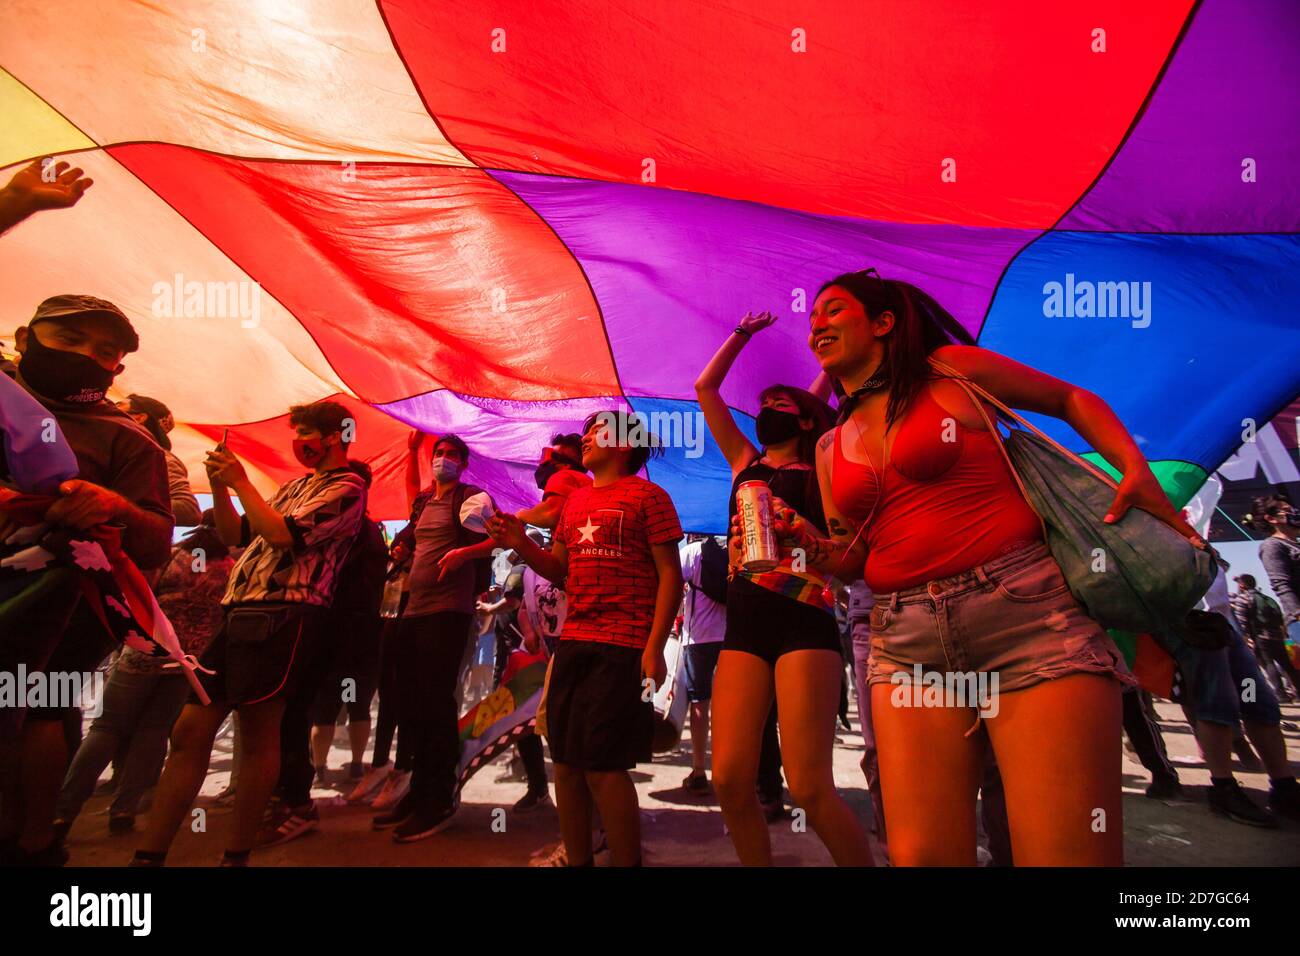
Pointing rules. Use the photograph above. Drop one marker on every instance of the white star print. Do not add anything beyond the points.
(588, 532)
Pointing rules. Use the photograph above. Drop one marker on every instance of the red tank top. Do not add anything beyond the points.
(945, 506)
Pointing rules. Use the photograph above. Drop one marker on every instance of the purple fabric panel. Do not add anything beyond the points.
(1229, 94)
(505, 437)
(674, 271)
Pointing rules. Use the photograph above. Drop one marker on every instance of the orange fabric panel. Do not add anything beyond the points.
(311, 79)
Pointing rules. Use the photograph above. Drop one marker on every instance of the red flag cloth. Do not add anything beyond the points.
(1154, 667)
(115, 589)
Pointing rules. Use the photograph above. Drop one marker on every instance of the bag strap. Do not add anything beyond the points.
(949, 372)
(971, 389)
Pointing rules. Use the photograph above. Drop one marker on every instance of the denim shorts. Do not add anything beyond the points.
(1013, 617)
(1228, 685)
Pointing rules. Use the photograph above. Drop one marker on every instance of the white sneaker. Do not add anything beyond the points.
(395, 787)
(370, 781)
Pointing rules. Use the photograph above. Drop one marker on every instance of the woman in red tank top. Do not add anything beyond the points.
(921, 503)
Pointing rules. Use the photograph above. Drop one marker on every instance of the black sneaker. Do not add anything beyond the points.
(1165, 788)
(696, 782)
(61, 829)
(400, 813)
(422, 824)
(1285, 801)
(531, 801)
(1231, 801)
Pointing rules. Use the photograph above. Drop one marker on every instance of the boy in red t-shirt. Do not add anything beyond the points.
(616, 548)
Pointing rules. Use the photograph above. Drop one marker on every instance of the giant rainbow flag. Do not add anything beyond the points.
(494, 218)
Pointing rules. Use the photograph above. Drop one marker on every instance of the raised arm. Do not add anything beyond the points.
(413, 443)
(735, 447)
(42, 184)
(545, 514)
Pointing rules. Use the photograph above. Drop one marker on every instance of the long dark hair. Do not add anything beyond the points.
(921, 325)
(810, 406)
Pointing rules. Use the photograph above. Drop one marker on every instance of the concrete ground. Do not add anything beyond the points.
(685, 830)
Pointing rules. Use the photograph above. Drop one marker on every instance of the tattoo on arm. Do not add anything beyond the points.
(837, 527)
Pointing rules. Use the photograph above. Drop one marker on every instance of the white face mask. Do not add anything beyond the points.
(446, 469)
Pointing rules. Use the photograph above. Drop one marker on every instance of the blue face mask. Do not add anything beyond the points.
(446, 469)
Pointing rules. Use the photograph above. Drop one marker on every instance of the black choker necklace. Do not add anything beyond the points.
(849, 401)
(879, 380)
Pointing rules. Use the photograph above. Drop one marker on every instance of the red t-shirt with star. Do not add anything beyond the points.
(608, 533)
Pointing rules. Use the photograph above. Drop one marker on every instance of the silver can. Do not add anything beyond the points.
(759, 550)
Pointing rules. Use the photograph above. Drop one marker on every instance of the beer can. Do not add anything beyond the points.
(758, 534)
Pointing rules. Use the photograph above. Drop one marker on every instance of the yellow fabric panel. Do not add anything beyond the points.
(31, 128)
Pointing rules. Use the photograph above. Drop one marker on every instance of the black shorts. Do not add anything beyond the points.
(595, 717)
(701, 662)
(767, 624)
(266, 652)
(356, 637)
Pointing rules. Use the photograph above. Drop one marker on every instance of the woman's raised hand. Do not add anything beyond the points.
(752, 323)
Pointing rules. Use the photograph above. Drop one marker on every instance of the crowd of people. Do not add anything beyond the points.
(905, 545)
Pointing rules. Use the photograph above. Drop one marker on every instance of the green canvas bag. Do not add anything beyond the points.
(1137, 574)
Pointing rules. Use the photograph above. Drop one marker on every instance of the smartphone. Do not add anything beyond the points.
(225, 434)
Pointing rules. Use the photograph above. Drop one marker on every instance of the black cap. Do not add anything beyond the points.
(70, 306)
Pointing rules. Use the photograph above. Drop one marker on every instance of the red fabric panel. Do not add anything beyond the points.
(1153, 667)
(858, 125)
(409, 277)
(380, 442)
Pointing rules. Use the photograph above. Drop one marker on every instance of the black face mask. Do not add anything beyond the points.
(1293, 519)
(774, 426)
(63, 376)
(542, 474)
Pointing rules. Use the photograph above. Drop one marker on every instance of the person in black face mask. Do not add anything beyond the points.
(559, 473)
(782, 644)
(68, 355)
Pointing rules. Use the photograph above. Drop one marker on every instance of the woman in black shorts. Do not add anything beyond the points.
(781, 637)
